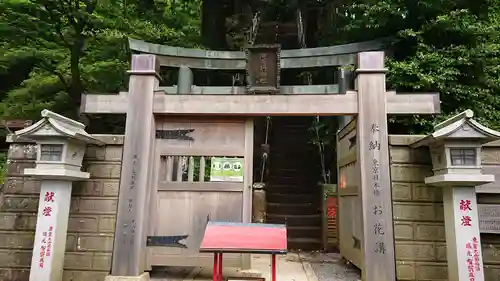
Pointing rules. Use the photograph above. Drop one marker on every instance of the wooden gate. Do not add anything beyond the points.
(203, 169)
(350, 215)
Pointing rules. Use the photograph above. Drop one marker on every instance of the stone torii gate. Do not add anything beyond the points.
(146, 100)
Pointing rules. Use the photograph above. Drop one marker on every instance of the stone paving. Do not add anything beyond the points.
(302, 266)
(330, 267)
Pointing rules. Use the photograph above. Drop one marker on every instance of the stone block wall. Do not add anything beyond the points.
(491, 242)
(419, 217)
(92, 217)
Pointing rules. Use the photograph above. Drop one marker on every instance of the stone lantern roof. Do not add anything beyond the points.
(460, 126)
(55, 125)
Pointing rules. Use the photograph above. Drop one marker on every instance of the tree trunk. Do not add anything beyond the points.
(213, 25)
(311, 24)
(76, 87)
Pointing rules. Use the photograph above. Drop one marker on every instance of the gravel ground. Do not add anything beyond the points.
(330, 267)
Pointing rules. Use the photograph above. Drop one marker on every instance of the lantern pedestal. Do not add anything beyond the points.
(51, 228)
(61, 144)
(463, 241)
(455, 147)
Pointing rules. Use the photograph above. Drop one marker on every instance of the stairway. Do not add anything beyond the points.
(293, 195)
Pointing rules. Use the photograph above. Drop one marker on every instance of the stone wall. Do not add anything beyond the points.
(91, 223)
(419, 218)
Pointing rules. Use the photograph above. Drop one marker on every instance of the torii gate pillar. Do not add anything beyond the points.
(129, 251)
(377, 243)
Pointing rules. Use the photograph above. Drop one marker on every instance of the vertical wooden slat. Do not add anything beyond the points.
(179, 168)
(248, 172)
(202, 169)
(191, 169)
(162, 171)
(169, 168)
(247, 182)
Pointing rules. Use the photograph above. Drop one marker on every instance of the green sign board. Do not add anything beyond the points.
(226, 169)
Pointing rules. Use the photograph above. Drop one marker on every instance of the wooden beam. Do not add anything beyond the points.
(284, 90)
(235, 60)
(247, 105)
(262, 105)
(104, 103)
(413, 103)
(257, 105)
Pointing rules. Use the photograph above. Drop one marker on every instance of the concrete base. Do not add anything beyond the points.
(142, 277)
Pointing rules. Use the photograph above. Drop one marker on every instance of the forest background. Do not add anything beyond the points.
(52, 51)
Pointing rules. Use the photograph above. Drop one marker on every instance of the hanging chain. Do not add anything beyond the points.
(301, 34)
(300, 30)
(250, 37)
(302, 40)
(251, 41)
(265, 154)
(255, 28)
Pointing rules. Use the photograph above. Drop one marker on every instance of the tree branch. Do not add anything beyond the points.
(50, 68)
(57, 25)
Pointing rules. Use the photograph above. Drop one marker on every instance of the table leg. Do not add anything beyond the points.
(216, 267)
(273, 267)
(220, 266)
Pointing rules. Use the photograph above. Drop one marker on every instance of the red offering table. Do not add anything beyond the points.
(253, 238)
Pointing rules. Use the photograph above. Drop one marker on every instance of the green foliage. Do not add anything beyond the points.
(52, 51)
(64, 48)
(3, 168)
(452, 47)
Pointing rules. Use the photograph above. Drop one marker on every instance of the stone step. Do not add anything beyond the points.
(293, 149)
(304, 244)
(294, 137)
(299, 170)
(297, 159)
(293, 189)
(291, 181)
(304, 231)
(297, 198)
(292, 192)
(304, 176)
(288, 160)
(293, 209)
(295, 220)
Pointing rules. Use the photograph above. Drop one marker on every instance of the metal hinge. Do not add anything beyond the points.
(166, 241)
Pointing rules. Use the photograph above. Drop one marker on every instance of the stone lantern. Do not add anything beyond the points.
(455, 148)
(61, 144)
